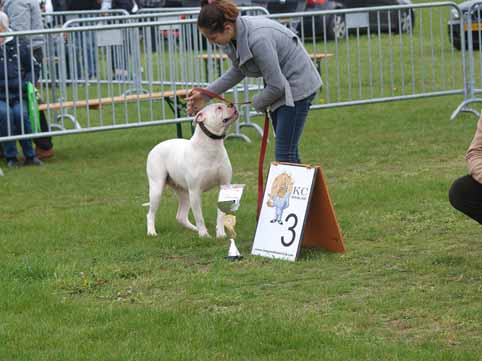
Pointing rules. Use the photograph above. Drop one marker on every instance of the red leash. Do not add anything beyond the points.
(262, 151)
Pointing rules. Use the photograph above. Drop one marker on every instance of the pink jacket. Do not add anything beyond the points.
(474, 154)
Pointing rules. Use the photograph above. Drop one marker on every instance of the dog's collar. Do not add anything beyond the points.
(209, 133)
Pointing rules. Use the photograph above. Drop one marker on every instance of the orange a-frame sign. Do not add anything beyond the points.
(321, 227)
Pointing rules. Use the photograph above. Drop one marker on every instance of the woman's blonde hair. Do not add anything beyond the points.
(215, 13)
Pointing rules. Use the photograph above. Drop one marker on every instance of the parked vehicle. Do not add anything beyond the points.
(336, 25)
(454, 24)
(274, 5)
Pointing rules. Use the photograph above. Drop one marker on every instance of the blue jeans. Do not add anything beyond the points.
(288, 123)
(10, 148)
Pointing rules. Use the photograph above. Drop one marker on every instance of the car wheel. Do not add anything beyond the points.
(336, 27)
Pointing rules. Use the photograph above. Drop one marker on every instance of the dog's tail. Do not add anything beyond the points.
(146, 204)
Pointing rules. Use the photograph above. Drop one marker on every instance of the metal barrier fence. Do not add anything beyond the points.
(58, 18)
(363, 55)
(467, 28)
(195, 69)
(383, 54)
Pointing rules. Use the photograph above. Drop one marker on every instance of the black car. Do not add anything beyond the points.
(336, 25)
(454, 24)
(274, 6)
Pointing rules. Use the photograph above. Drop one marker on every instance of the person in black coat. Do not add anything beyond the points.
(76, 5)
(60, 5)
(17, 67)
(127, 5)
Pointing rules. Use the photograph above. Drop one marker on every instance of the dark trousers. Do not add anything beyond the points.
(465, 195)
(288, 123)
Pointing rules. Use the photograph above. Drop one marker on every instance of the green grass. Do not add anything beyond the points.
(81, 281)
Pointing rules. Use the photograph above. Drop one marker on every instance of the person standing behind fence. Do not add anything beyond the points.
(261, 47)
(60, 5)
(465, 194)
(154, 30)
(15, 71)
(128, 5)
(84, 41)
(24, 15)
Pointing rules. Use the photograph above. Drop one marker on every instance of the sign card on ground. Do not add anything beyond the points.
(283, 212)
(296, 210)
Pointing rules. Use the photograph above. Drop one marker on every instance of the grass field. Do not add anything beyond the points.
(81, 281)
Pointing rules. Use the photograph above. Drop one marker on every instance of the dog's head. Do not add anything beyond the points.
(217, 118)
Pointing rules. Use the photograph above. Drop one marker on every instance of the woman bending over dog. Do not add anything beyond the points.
(261, 47)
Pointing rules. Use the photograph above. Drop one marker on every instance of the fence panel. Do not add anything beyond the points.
(130, 71)
(383, 53)
(58, 18)
(467, 28)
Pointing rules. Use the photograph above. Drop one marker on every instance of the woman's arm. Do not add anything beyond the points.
(474, 154)
(229, 79)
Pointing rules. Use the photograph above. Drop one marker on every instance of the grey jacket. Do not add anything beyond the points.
(24, 15)
(267, 49)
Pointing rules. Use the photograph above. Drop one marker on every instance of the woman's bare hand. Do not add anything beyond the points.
(195, 102)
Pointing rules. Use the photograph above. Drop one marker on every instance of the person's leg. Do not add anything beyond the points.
(92, 55)
(465, 195)
(288, 123)
(26, 144)
(6, 118)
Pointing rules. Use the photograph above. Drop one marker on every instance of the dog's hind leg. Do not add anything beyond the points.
(156, 187)
(183, 209)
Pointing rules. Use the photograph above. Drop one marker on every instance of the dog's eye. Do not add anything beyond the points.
(220, 108)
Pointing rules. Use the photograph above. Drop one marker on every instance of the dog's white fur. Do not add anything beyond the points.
(191, 167)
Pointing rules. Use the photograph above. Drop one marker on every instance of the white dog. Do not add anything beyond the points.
(191, 167)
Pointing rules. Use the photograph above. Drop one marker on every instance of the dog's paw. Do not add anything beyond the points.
(204, 234)
(221, 234)
(152, 233)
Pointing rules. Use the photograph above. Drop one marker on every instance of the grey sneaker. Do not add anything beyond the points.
(13, 163)
(32, 161)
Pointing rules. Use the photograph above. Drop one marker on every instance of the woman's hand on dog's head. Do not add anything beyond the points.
(195, 102)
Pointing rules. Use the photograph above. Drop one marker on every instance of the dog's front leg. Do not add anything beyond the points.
(195, 200)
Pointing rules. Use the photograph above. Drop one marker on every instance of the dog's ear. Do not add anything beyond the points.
(199, 117)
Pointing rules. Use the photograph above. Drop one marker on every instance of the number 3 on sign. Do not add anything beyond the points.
(291, 229)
